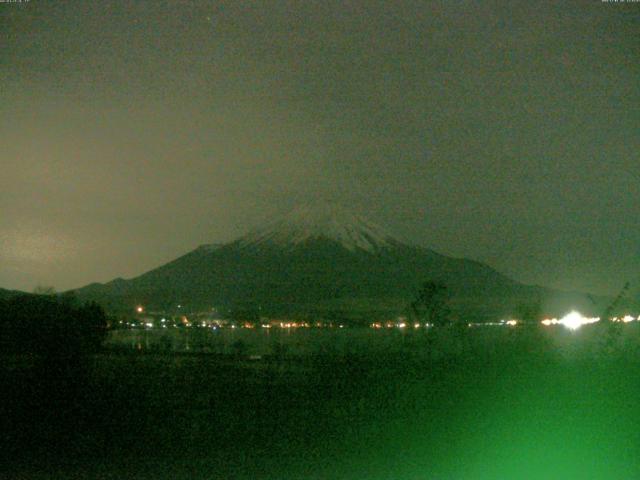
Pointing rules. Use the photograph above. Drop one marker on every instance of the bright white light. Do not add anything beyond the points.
(627, 319)
(575, 320)
(512, 323)
(572, 320)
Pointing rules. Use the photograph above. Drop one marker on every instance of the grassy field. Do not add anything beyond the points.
(529, 404)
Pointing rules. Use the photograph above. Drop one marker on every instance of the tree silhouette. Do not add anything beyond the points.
(51, 326)
(44, 290)
(431, 304)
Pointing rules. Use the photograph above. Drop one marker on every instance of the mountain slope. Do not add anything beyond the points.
(317, 260)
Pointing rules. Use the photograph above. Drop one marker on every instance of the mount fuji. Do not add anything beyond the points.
(327, 222)
(322, 260)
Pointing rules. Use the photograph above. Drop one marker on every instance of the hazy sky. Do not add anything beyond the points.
(132, 131)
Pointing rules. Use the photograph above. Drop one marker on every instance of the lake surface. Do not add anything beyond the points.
(360, 341)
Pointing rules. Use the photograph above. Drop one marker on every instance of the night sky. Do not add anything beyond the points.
(508, 132)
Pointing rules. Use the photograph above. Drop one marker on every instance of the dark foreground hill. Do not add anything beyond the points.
(6, 294)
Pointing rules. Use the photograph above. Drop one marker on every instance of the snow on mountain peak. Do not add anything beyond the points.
(322, 221)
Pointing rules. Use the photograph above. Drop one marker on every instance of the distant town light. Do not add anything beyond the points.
(572, 320)
(139, 309)
(575, 320)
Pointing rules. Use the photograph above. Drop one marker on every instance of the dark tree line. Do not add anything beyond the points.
(50, 325)
(48, 402)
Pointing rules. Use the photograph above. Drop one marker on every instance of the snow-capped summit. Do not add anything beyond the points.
(326, 221)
